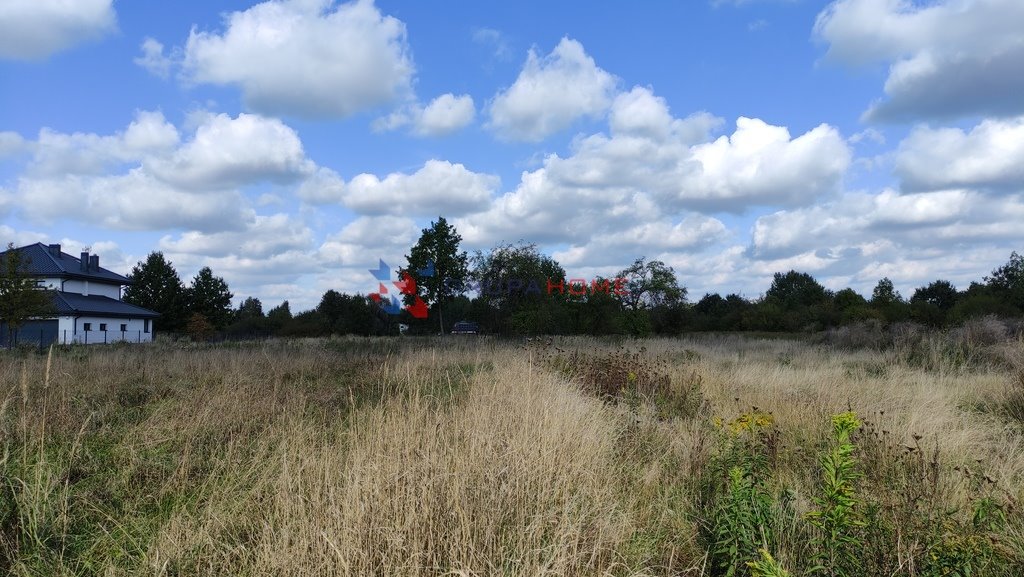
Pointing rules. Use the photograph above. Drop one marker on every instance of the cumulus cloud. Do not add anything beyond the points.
(324, 186)
(33, 29)
(442, 116)
(365, 240)
(306, 57)
(153, 58)
(263, 237)
(227, 152)
(440, 187)
(988, 156)
(617, 248)
(941, 220)
(654, 164)
(551, 93)
(11, 143)
(950, 58)
(146, 177)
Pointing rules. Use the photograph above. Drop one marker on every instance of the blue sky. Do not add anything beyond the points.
(290, 144)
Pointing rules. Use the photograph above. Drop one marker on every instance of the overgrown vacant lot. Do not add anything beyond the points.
(481, 457)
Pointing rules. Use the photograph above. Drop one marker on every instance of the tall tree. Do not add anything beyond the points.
(209, 296)
(1007, 282)
(889, 302)
(251, 308)
(279, 316)
(650, 284)
(437, 265)
(157, 286)
(20, 300)
(652, 296)
(522, 290)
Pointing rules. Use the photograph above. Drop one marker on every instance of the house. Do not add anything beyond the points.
(86, 301)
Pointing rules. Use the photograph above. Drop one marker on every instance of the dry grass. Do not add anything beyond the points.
(456, 456)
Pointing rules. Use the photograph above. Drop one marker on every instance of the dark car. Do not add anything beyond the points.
(465, 328)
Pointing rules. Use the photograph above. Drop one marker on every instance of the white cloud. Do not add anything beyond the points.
(32, 29)
(654, 165)
(618, 248)
(440, 187)
(306, 57)
(153, 58)
(263, 237)
(943, 221)
(58, 153)
(228, 152)
(991, 155)
(367, 239)
(551, 93)
(324, 187)
(763, 164)
(11, 143)
(444, 115)
(494, 39)
(146, 178)
(940, 53)
(132, 201)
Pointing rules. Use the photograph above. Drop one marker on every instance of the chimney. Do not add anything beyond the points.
(85, 261)
(94, 263)
(55, 250)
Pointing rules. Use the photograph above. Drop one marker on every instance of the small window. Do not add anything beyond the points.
(145, 326)
(88, 327)
(103, 327)
(124, 327)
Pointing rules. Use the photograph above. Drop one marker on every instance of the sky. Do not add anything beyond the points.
(291, 144)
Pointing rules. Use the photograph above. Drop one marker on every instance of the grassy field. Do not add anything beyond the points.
(695, 456)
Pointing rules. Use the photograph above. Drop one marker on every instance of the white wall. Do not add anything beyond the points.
(85, 287)
(135, 330)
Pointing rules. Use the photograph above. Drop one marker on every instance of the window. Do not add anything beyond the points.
(103, 327)
(88, 327)
(124, 327)
(145, 326)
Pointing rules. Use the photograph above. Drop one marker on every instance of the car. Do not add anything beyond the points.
(465, 328)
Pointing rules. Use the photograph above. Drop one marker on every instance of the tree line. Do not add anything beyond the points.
(515, 289)
(492, 288)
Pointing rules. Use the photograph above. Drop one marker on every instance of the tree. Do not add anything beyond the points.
(794, 290)
(157, 286)
(209, 296)
(251, 308)
(279, 316)
(438, 248)
(248, 319)
(20, 300)
(888, 301)
(652, 296)
(796, 301)
(523, 290)
(347, 314)
(931, 304)
(650, 284)
(1007, 282)
(885, 293)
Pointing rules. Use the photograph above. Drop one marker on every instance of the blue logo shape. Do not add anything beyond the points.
(383, 272)
(428, 271)
(393, 308)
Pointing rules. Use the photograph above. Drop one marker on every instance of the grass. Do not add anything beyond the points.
(484, 457)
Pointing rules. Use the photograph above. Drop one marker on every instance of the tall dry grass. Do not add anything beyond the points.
(459, 456)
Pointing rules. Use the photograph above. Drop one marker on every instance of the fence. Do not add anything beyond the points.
(45, 338)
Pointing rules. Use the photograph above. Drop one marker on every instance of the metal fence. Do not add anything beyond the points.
(45, 338)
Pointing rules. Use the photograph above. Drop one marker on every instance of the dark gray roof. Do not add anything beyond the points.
(44, 262)
(76, 304)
